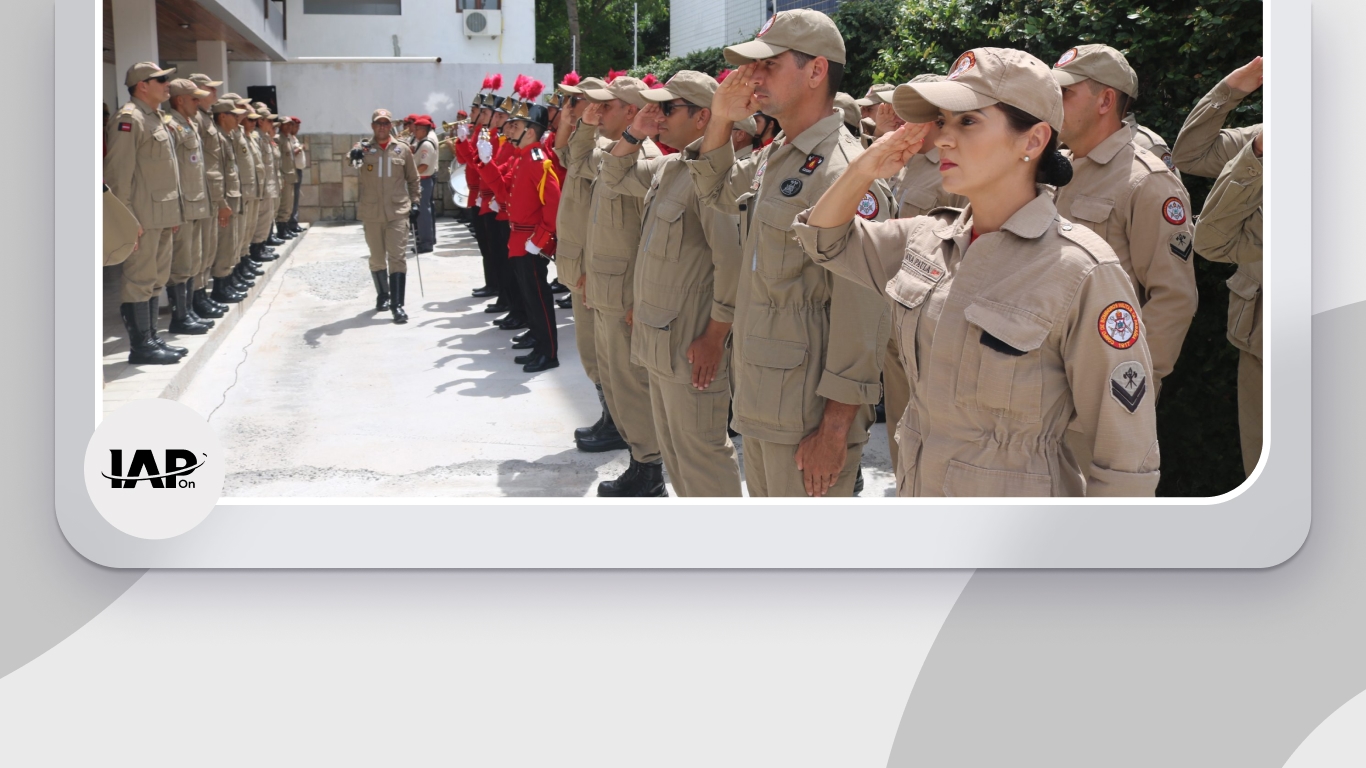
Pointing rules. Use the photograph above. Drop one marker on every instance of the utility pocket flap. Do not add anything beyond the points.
(1093, 209)
(668, 210)
(776, 214)
(774, 353)
(1244, 285)
(908, 290)
(610, 265)
(655, 317)
(1017, 328)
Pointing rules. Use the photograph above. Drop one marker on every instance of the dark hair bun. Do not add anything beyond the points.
(1055, 169)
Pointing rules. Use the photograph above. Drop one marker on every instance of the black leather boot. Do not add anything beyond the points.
(558, 287)
(638, 480)
(294, 227)
(181, 322)
(260, 254)
(224, 292)
(153, 309)
(282, 232)
(565, 302)
(604, 438)
(245, 274)
(190, 311)
(398, 281)
(204, 307)
(483, 292)
(141, 349)
(585, 433)
(381, 278)
(271, 239)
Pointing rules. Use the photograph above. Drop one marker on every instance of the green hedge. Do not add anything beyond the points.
(708, 60)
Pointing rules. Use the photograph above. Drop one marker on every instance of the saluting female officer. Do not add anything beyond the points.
(1013, 322)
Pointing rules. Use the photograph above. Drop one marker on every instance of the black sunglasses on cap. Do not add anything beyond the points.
(668, 107)
(162, 79)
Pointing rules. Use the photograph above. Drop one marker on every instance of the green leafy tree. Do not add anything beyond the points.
(869, 28)
(605, 29)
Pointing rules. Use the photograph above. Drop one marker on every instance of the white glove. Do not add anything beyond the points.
(531, 248)
(463, 132)
(493, 206)
(479, 202)
(485, 151)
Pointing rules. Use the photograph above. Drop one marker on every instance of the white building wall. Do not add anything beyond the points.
(743, 19)
(698, 24)
(425, 28)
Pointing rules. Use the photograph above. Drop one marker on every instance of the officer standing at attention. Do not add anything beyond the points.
(388, 189)
(253, 196)
(1230, 229)
(187, 245)
(609, 283)
(1014, 322)
(426, 155)
(289, 174)
(261, 237)
(300, 163)
(226, 115)
(686, 272)
(1128, 196)
(140, 169)
(203, 306)
(808, 345)
(467, 154)
(495, 154)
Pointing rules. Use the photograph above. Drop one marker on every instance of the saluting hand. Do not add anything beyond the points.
(647, 120)
(890, 153)
(1248, 77)
(886, 119)
(592, 115)
(731, 102)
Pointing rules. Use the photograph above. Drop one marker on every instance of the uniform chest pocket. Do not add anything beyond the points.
(1244, 311)
(916, 202)
(1092, 213)
(1001, 370)
(610, 211)
(780, 256)
(163, 184)
(908, 294)
(666, 237)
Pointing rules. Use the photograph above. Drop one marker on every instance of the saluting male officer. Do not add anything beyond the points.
(140, 169)
(388, 189)
(808, 346)
(226, 117)
(187, 245)
(1230, 229)
(687, 269)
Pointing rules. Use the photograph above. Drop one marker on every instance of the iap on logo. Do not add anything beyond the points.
(145, 449)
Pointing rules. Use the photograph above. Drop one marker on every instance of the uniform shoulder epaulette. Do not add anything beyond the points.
(1150, 161)
(537, 154)
(1089, 241)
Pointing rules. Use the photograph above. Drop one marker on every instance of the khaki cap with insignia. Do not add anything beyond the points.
(186, 87)
(802, 30)
(875, 95)
(980, 78)
(594, 83)
(846, 104)
(145, 70)
(628, 89)
(381, 114)
(1101, 63)
(696, 88)
(748, 125)
(204, 81)
(886, 96)
(226, 105)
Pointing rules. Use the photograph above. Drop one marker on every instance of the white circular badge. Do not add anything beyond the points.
(154, 469)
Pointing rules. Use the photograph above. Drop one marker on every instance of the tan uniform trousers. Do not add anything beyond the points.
(286, 205)
(691, 427)
(208, 248)
(583, 337)
(147, 269)
(896, 393)
(230, 246)
(388, 241)
(246, 227)
(265, 219)
(771, 470)
(626, 386)
(1250, 408)
(187, 250)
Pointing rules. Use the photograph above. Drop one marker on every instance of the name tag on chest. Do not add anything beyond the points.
(923, 268)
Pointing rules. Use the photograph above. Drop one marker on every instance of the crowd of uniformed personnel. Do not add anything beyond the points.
(998, 256)
(199, 188)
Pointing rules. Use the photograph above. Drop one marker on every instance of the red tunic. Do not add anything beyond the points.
(468, 155)
(548, 144)
(495, 174)
(534, 201)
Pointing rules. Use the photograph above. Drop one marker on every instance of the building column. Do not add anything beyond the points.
(213, 61)
(135, 37)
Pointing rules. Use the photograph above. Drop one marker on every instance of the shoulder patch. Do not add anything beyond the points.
(868, 207)
(125, 126)
(1174, 211)
(1118, 325)
(1181, 244)
(537, 154)
(813, 161)
(1128, 384)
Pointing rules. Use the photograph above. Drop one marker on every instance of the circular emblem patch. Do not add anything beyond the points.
(1173, 211)
(1167, 158)
(369, 166)
(964, 63)
(1067, 58)
(766, 25)
(790, 187)
(868, 207)
(1118, 325)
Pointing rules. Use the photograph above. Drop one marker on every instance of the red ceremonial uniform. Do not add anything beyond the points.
(494, 176)
(533, 201)
(468, 155)
(548, 144)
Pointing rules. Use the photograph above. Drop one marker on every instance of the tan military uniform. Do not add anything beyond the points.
(441, 191)
(916, 190)
(686, 272)
(1127, 196)
(187, 248)
(214, 142)
(140, 169)
(252, 172)
(270, 187)
(1038, 330)
(802, 335)
(610, 262)
(388, 189)
(1149, 139)
(1230, 230)
(571, 232)
(229, 167)
(284, 148)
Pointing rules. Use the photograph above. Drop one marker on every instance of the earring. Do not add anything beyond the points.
(1026, 159)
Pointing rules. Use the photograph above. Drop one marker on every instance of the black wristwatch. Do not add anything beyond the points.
(626, 134)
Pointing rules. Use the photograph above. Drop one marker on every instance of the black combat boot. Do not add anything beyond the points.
(398, 281)
(586, 433)
(381, 278)
(565, 302)
(523, 340)
(224, 292)
(181, 322)
(558, 287)
(282, 232)
(638, 480)
(259, 255)
(246, 272)
(604, 436)
(204, 307)
(190, 311)
(271, 239)
(294, 227)
(141, 349)
(153, 309)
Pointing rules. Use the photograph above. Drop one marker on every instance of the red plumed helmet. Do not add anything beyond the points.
(533, 89)
(572, 78)
(650, 80)
(496, 81)
(487, 81)
(725, 73)
(519, 84)
(613, 74)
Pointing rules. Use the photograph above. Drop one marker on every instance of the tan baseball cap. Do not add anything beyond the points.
(887, 96)
(381, 114)
(846, 104)
(262, 109)
(145, 70)
(802, 30)
(628, 89)
(696, 88)
(204, 81)
(1101, 63)
(224, 105)
(874, 95)
(748, 125)
(980, 78)
(594, 83)
(231, 97)
(186, 87)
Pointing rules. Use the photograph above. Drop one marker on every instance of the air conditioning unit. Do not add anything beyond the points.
(483, 23)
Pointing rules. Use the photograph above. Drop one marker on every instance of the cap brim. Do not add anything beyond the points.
(884, 97)
(754, 50)
(1066, 78)
(921, 102)
(574, 89)
(660, 95)
(170, 71)
(211, 84)
(865, 102)
(600, 96)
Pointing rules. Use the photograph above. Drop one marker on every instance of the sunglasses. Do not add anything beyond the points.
(668, 107)
(163, 79)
